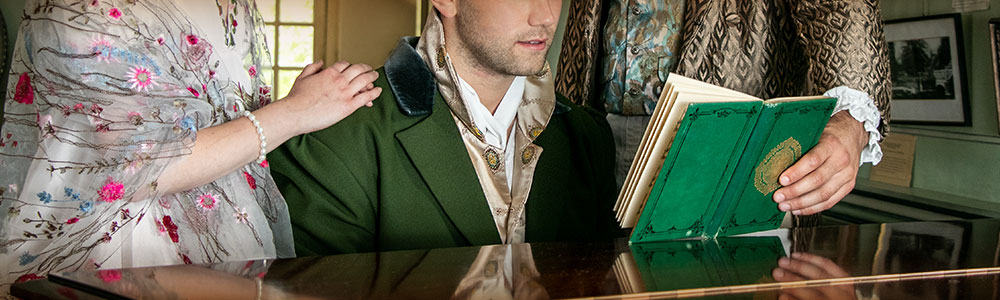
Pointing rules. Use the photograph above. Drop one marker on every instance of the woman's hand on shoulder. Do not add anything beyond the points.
(322, 97)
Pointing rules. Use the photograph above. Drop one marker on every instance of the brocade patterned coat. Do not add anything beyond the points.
(769, 48)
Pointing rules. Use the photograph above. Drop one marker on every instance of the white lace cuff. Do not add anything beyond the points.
(862, 108)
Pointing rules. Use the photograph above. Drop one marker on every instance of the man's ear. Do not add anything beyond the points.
(447, 8)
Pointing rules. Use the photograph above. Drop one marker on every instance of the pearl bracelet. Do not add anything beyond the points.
(260, 134)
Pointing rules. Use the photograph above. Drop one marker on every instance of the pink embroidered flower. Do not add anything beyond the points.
(159, 227)
(187, 261)
(93, 2)
(160, 40)
(141, 79)
(252, 71)
(111, 191)
(194, 92)
(264, 95)
(72, 220)
(207, 201)
(23, 92)
(264, 163)
(115, 13)
(94, 108)
(211, 73)
(196, 52)
(102, 48)
(109, 275)
(250, 180)
(241, 215)
(135, 118)
(234, 23)
(78, 107)
(171, 228)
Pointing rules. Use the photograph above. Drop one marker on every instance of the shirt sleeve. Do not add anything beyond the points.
(862, 108)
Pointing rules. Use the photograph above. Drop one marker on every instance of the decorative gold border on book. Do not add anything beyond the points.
(774, 163)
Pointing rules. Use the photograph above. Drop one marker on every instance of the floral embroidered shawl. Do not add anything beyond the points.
(102, 96)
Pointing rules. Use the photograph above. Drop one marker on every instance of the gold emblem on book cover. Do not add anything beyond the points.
(777, 160)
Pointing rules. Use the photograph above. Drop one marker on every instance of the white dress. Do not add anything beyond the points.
(102, 96)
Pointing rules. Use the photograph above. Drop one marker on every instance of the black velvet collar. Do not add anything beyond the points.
(410, 79)
(413, 83)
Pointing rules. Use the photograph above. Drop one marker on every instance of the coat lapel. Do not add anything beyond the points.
(436, 150)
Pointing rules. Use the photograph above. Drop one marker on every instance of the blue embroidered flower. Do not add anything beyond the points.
(86, 206)
(44, 196)
(188, 123)
(70, 193)
(27, 258)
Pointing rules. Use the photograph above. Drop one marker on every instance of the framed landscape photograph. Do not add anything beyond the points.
(927, 64)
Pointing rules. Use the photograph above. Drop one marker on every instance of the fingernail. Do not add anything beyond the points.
(779, 273)
(796, 255)
(784, 207)
(797, 212)
(319, 62)
(778, 197)
(784, 180)
(783, 262)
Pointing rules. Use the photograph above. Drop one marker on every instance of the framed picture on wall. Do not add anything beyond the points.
(927, 64)
(995, 46)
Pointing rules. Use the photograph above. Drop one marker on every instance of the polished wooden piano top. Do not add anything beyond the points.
(920, 260)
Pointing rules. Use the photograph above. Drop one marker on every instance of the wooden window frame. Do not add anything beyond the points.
(320, 8)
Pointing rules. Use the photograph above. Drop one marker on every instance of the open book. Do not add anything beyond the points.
(710, 160)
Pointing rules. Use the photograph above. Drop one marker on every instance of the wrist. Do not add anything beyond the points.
(274, 119)
(854, 128)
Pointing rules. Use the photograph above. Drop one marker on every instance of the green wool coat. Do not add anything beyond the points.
(397, 175)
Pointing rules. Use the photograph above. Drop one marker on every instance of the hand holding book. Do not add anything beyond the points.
(711, 159)
(826, 173)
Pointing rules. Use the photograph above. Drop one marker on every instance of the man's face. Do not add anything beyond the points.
(509, 37)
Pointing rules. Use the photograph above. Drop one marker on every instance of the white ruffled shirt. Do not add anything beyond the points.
(496, 126)
(863, 109)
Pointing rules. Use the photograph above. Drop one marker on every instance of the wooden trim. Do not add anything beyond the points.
(329, 34)
(319, 29)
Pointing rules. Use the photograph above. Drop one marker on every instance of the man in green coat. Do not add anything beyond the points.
(467, 145)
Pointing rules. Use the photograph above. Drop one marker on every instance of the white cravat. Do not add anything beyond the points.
(495, 125)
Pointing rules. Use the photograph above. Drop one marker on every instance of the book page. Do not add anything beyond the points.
(675, 84)
(790, 99)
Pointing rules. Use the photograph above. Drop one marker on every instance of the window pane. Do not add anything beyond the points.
(269, 32)
(266, 8)
(297, 11)
(267, 74)
(285, 80)
(295, 46)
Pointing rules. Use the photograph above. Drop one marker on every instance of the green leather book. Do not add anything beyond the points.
(710, 161)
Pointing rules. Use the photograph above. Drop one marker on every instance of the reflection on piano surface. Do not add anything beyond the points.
(934, 260)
